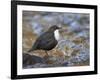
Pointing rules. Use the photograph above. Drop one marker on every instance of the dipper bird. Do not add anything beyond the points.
(47, 41)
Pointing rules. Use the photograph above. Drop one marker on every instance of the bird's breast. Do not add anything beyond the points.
(56, 35)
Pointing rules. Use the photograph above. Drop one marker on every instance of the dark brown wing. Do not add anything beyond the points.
(46, 41)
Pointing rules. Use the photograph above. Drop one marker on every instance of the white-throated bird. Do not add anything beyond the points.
(48, 40)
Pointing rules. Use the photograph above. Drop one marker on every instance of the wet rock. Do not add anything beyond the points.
(67, 63)
(84, 20)
(84, 34)
(66, 47)
(63, 43)
(37, 28)
(55, 60)
(31, 59)
(83, 56)
(39, 65)
(75, 26)
(36, 17)
(68, 18)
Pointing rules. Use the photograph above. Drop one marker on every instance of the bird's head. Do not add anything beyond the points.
(53, 28)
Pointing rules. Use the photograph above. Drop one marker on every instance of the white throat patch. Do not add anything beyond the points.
(56, 34)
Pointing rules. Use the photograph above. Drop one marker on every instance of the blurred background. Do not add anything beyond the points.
(73, 46)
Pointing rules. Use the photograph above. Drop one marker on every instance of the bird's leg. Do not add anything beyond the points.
(55, 50)
(46, 53)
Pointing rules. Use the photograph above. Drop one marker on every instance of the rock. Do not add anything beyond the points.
(67, 63)
(67, 43)
(37, 28)
(36, 17)
(84, 34)
(68, 18)
(75, 26)
(66, 47)
(82, 56)
(39, 65)
(78, 40)
(31, 60)
(56, 53)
